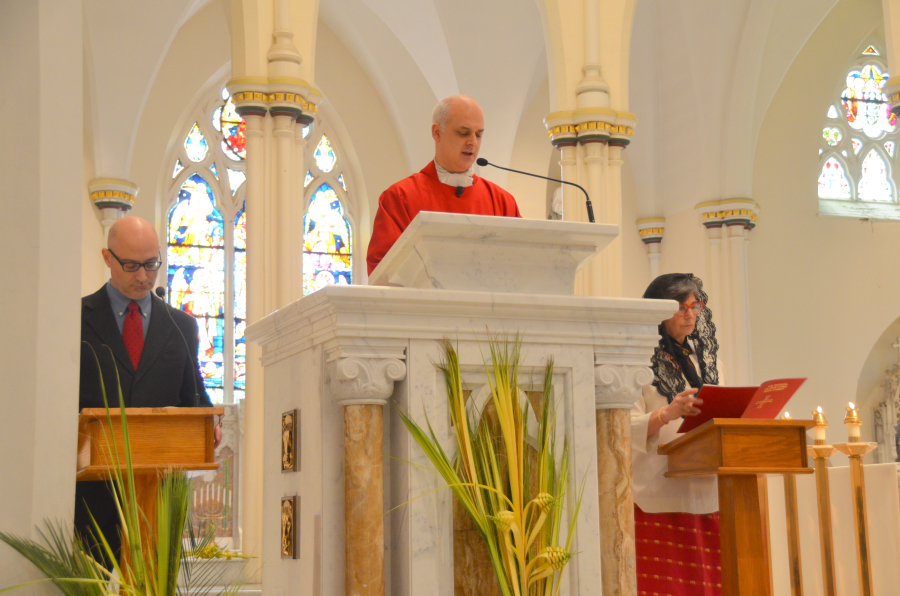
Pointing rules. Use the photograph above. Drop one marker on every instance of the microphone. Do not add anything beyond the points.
(161, 292)
(459, 191)
(587, 200)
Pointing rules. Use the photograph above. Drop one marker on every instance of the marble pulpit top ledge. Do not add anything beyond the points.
(481, 253)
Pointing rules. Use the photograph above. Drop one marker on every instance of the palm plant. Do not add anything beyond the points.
(515, 501)
(150, 565)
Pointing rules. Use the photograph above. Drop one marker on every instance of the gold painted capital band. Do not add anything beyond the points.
(111, 194)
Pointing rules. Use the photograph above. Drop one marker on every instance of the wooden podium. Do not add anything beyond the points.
(160, 438)
(738, 451)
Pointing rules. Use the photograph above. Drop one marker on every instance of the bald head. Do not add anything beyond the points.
(457, 126)
(132, 240)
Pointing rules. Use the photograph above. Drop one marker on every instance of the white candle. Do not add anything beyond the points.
(821, 425)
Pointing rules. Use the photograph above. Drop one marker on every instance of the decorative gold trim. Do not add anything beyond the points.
(650, 220)
(567, 128)
(111, 194)
(649, 231)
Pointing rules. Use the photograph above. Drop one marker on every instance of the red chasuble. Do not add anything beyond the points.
(400, 203)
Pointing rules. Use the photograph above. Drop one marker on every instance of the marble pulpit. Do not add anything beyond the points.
(371, 517)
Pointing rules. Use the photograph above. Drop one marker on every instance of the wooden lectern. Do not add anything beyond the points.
(161, 438)
(738, 451)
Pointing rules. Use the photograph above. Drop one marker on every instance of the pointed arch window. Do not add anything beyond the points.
(858, 144)
(327, 229)
(206, 242)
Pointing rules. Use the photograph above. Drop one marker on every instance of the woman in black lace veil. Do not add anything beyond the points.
(676, 519)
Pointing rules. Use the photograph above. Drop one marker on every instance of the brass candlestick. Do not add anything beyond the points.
(855, 451)
(820, 452)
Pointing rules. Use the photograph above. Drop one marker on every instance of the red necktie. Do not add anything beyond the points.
(133, 334)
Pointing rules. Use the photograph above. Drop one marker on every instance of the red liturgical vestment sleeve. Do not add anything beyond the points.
(423, 191)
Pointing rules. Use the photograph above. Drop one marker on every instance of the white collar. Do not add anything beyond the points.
(464, 179)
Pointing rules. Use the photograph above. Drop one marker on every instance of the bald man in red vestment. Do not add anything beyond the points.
(447, 184)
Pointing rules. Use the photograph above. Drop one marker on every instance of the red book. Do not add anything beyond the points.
(761, 403)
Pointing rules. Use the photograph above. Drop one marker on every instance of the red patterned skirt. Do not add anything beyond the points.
(677, 554)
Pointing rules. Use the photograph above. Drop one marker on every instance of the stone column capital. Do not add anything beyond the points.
(356, 380)
(619, 385)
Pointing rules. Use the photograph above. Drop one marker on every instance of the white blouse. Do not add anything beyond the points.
(653, 492)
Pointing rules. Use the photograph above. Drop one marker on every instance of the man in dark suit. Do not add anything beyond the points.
(152, 346)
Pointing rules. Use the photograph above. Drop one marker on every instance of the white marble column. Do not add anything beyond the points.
(113, 197)
(727, 224)
(651, 230)
(362, 386)
(617, 386)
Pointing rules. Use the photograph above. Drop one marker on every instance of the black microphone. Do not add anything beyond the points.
(459, 191)
(161, 292)
(587, 200)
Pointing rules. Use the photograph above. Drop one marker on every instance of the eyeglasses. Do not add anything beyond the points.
(695, 308)
(131, 266)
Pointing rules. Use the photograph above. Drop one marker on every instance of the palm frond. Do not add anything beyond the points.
(492, 475)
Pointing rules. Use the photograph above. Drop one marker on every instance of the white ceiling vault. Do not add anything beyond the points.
(702, 74)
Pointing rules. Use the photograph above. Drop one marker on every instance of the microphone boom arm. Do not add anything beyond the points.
(587, 199)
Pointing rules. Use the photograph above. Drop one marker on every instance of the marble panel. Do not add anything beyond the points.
(452, 251)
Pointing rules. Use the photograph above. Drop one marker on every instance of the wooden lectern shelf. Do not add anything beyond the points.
(160, 438)
(739, 452)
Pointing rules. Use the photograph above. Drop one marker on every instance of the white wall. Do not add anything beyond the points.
(822, 290)
(41, 94)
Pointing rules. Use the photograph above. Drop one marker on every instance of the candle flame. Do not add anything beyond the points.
(819, 409)
(852, 407)
(787, 415)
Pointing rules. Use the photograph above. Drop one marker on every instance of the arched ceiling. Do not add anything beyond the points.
(417, 53)
(125, 43)
(703, 73)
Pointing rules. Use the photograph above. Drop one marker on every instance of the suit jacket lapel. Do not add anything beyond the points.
(159, 334)
(103, 322)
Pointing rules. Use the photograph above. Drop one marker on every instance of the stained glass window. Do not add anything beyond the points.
(832, 136)
(866, 107)
(857, 145)
(341, 180)
(207, 258)
(870, 51)
(195, 144)
(196, 271)
(240, 302)
(832, 112)
(235, 179)
(833, 182)
(308, 179)
(889, 147)
(324, 155)
(305, 131)
(326, 242)
(178, 167)
(233, 128)
(873, 183)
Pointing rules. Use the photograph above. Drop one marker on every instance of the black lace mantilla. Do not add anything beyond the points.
(667, 374)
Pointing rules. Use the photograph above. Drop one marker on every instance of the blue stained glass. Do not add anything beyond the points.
(178, 167)
(240, 298)
(309, 178)
(324, 155)
(196, 271)
(235, 179)
(215, 172)
(341, 180)
(327, 250)
(195, 144)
